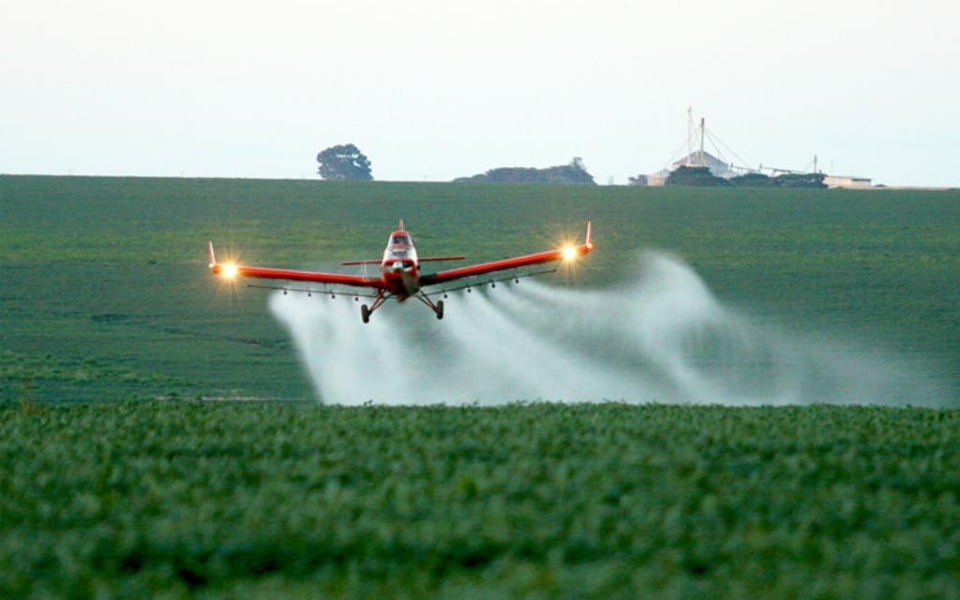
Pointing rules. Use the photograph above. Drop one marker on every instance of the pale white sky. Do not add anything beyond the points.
(434, 89)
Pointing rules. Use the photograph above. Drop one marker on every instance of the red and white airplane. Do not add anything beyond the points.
(400, 275)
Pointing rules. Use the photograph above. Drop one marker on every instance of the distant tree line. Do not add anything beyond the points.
(574, 173)
(702, 177)
(347, 162)
(787, 180)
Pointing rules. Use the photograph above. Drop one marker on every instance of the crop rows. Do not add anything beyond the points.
(177, 499)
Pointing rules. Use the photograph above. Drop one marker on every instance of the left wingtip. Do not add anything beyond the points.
(211, 256)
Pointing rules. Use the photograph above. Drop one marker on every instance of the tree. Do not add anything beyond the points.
(574, 173)
(695, 176)
(344, 162)
(753, 180)
(787, 180)
(801, 180)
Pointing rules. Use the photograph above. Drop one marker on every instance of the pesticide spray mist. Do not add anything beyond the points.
(663, 337)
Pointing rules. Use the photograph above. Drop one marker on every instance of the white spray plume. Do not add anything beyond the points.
(663, 337)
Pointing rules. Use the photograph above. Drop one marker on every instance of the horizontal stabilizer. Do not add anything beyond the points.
(353, 263)
(441, 258)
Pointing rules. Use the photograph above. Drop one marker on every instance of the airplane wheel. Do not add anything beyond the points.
(440, 309)
(365, 313)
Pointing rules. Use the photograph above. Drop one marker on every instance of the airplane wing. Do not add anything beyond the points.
(565, 253)
(231, 271)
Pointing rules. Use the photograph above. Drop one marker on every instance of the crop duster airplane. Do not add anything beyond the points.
(400, 275)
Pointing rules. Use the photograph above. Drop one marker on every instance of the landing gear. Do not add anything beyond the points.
(437, 308)
(366, 311)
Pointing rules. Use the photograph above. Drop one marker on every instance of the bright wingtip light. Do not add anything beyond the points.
(229, 270)
(569, 252)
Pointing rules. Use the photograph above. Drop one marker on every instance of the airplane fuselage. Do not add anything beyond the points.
(400, 267)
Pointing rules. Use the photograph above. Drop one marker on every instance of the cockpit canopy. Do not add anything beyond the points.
(400, 248)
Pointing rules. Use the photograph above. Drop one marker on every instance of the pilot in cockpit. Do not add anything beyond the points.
(400, 239)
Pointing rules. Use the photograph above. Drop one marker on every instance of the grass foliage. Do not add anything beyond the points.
(111, 271)
(178, 499)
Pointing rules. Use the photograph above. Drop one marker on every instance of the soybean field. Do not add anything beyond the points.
(766, 384)
(292, 500)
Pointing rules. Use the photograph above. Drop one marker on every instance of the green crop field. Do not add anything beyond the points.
(105, 294)
(264, 500)
(117, 480)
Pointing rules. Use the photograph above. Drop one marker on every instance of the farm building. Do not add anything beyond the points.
(717, 167)
(846, 181)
